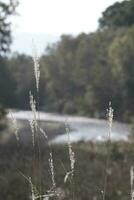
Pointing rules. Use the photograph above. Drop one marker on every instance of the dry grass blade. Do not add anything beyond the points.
(43, 132)
(34, 191)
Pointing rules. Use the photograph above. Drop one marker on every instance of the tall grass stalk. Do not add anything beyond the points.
(51, 164)
(70, 174)
(71, 156)
(15, 126)
(36, 67)
(108, 144)
(36, 129)
(33, 122)
(132, 182)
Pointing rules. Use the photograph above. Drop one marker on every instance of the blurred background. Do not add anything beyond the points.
(86, 56)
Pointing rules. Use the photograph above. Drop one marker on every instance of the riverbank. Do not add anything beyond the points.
(52, 130)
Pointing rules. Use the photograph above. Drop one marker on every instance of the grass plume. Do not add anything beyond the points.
(132, 182)
(15, 126)
(108, 142)
(36, 68)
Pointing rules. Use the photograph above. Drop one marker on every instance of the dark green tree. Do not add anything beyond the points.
(119, 14)
(122, 56)
(7, 84)
(6, 10)
(78, 73)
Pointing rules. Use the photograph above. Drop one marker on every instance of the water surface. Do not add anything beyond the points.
(82, 128)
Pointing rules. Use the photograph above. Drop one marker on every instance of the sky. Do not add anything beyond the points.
(53, 18)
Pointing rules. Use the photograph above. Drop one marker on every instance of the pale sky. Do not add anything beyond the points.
(56, 17)
(45, 20)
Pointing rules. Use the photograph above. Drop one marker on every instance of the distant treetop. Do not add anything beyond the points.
(120, 14)
(6, 10)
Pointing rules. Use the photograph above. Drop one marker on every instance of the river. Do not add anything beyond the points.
(82, 128)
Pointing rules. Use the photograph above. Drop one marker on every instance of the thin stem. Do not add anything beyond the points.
(108, 144)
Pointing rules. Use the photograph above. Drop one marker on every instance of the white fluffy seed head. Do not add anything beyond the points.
(132, 182)
(71, 156)
(15, 126)
(36, 67)
(51, 165)
(32, 126)
(110, 112)
(33, 108)
(33, 122)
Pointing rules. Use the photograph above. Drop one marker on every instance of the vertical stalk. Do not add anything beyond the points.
(108, 145)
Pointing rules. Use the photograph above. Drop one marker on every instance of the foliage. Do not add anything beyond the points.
(80, 75)
(7, 85)
(123, 68)
(120, 14)
(7, 9)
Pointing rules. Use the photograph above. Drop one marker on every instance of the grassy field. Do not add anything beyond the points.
(17, 158)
